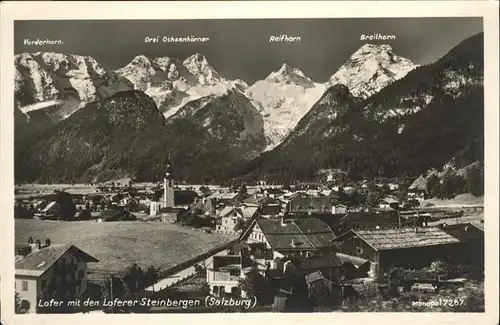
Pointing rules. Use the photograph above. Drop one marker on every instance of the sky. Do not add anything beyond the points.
(240, 49)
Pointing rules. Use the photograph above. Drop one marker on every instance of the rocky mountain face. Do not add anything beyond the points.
(99, 141)
(283, 98)
(378, 115)
(125, 135)
(230, 118)
(371, 68)
(49, 87)
(53, 78)
(173, 83)
(286, 95)
(418, 122)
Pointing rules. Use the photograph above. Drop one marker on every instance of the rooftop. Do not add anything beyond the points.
(384, 239)
(40, 260)
(308, 233)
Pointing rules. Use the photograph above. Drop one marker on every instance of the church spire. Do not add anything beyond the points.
(169, 170)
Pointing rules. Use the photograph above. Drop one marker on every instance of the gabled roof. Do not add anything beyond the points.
(249, 211)
(309, 233)
(396, 238)
(39, 261)
(389, 200)
(464, 231)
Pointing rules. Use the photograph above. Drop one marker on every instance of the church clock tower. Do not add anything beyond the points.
(168, 187)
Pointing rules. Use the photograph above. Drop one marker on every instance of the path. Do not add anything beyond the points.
(171, 280)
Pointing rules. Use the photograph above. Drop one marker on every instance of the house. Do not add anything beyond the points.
(312, 204)
(388, 203)
(224, 198)
(289, 237)
(203, 206)
(339, 209)
(229, 217)
(416, 194)
(225, 272)
(406, 247)
(41, 270)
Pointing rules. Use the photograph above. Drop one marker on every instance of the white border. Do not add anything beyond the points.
(11, 11)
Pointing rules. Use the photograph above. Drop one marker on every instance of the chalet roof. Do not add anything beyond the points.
(389, 200)
(309, 233)
(464, 231)
(40, 260)
(249, 211)
(385, 239)
(224, 196)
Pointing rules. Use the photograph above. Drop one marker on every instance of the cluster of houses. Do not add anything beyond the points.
(322, 265)
(306, 242)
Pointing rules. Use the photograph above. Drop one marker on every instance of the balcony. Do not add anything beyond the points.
(65, 268)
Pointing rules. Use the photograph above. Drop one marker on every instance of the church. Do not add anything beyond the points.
(167, 200)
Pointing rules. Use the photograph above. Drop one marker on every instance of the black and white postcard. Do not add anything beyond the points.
(194, 159)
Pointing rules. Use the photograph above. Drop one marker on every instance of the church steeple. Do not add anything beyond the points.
(169, 170)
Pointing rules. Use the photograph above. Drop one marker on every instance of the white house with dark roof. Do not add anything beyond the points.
(308, 236)
(43, 268)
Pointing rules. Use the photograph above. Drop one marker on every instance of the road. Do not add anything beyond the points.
(171, 280)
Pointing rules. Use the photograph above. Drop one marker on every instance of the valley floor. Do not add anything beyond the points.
(119, 244)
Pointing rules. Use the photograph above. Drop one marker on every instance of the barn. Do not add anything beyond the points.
(409, 247)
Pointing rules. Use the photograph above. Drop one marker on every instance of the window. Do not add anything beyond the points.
(70, 260)
(81, 274)
(44, 284)
(359, 250)
(25, 285)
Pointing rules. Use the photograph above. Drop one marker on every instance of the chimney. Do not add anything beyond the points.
(47, 242)
(38, 244)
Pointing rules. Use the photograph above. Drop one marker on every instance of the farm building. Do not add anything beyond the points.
(404, 247)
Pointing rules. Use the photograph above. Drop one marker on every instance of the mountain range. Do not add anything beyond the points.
(370, 112)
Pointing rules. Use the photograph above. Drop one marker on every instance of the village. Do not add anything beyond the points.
(301, 247)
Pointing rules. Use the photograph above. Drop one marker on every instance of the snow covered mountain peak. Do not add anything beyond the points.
(198, 65)
(289, 75)
(371, 68)
(49, 76)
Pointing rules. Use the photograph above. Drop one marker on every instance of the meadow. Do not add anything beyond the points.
(118, 244)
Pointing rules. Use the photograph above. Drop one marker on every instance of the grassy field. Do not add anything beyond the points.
(461, 200)
(118, 244)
